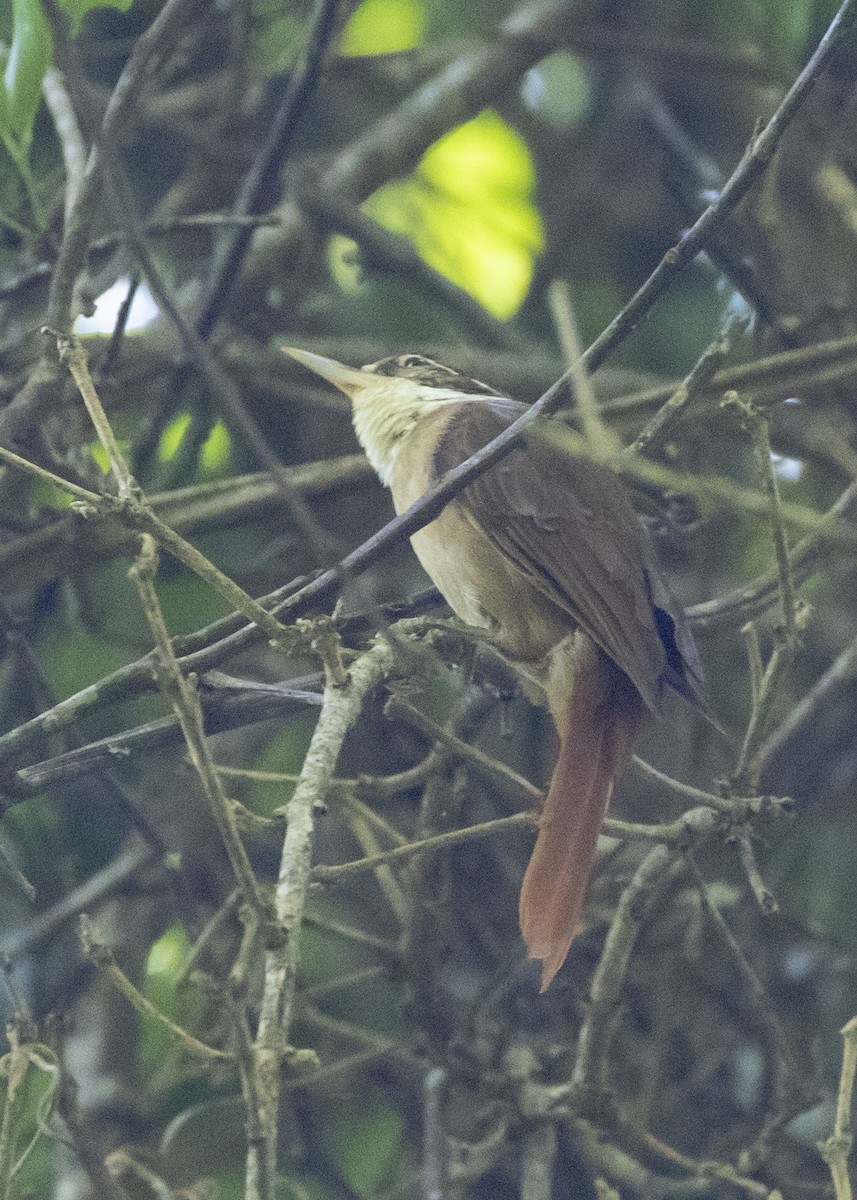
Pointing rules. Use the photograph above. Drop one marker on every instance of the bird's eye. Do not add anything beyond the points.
(411, 360)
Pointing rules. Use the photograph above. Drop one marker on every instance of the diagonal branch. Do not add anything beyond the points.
(750, 168)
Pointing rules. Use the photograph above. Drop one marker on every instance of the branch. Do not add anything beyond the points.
(159, 39)
(453, 482)
(340, 708)
(693, 383)
(590, 1068)
(52, 549)
(256, 189)
(102, 957)
(440, 841)
(841, 671)
(223, 709)
(837, 1148)
(788, 1092)
(755, 421)
(132, 510)
(752, 599)
(184, 699)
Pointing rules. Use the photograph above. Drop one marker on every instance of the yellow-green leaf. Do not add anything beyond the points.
(469, 210)
(171, 438)
(383, 27)
(28, 58)
(216, 448)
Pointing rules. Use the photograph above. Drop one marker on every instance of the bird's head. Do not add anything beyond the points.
(426, 377)
(388, 397)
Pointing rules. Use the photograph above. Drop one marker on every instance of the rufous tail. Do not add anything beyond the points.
(602, 716)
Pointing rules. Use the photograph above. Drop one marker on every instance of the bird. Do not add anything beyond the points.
(546, 554)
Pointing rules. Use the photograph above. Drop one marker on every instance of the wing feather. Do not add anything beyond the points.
(566, 523)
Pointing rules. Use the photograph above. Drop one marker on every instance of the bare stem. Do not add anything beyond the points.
(589, 1077)
(837, 1148)
(340, 708)
(184, 698)
(755, 421)
(601, 440)
(102, 957)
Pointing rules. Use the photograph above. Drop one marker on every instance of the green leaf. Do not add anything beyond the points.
(277, 36)
(72, 657)
(383, 27)
(171, 437)
(99, 454)
(469, 210)
(163, 986)
(365, 1139)
(5, 119)
(216, 450)
(28, 59)
(76, 10)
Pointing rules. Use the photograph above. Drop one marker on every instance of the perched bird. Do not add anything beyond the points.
(544, 551)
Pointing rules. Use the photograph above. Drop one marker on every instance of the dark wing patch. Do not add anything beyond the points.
(566, 523)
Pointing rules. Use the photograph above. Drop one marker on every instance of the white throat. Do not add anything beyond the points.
(386, 411)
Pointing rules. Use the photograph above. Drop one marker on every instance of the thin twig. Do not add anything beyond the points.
(750, 168)
(252, 1100)
(691, 827)
(767, 380)
(227, 395)
(131, 509)
(68, 132)
(750, 600)
(350, 933)
(398, 709)
(159, 39)
(257, 186)
(764, 806)
(27, 940)
(841, 671)
(46, 552)
(323, 873)
(706, 1170)
(788, 1092)
(364, 834)
(765, 898)
(601, 440)
(747, 772)
(223, 389)
(65, 485)
(837, 1148)
(117, 335)
(220, 713)
(755, 421)
(184, 698)
(103, 958)
(591, 1063)
(73, 355)
(386, 252)
(703, 369)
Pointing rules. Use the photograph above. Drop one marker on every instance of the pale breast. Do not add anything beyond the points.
(481, 585)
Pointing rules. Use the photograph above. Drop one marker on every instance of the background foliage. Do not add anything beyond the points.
(193, 186)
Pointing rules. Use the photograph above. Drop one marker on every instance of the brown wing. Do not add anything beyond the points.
(567, 524)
